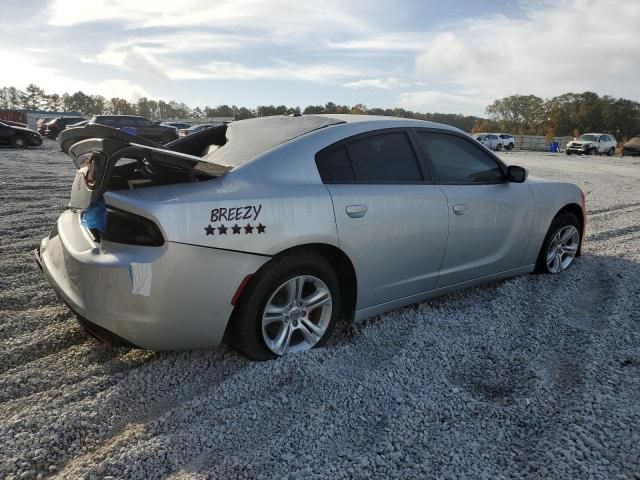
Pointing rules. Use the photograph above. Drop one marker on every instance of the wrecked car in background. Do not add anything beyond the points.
(632, 147)
(265, 232)
(18, 137)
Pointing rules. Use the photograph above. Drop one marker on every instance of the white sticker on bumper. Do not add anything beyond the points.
(140, 274)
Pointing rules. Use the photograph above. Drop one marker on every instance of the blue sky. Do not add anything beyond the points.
(428, 55)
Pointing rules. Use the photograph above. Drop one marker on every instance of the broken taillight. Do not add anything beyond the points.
(92, 163)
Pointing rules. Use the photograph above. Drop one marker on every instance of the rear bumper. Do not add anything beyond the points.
(189, 287)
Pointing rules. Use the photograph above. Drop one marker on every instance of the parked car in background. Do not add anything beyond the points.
(632, 147)
(19, 137)
(508, 141)
(177, 125)
(490, 140)
(592, 144)
(290, 224)
(143, 127)
(197, 128)
(15, 124)
(55, 126)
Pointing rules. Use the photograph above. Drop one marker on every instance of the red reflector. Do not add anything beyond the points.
(241, 287)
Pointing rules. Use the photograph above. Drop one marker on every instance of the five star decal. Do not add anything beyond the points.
(236, 229)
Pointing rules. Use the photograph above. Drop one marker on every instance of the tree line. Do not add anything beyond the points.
(568, 114)
(35, 98)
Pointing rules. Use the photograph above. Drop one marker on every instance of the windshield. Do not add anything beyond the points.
(588, 137)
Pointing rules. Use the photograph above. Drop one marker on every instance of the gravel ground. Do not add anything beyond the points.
(534, 377)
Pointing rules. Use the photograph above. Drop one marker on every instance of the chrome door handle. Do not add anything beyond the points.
(460, 209)
(356, 211)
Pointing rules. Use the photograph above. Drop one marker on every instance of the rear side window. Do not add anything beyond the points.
(385, 158)
(458, 161)
(334, 166)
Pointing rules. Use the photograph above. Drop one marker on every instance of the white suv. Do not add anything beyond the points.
(508, 141)
(490, 140)
(592, 144)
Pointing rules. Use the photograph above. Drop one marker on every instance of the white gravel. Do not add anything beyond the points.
(535, 377)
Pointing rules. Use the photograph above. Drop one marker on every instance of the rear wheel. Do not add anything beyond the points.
(561, 244)
(19, 142)
(166, 138)
(290, 306)
(510, 147)
(611, 151)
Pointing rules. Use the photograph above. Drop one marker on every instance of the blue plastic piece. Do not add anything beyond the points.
(95, 216)
(554, 147)
(130, 130)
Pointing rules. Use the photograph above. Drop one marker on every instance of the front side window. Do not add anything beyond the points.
(142, 122)
(458, 161)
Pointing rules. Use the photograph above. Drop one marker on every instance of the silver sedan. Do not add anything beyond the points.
(264, 232)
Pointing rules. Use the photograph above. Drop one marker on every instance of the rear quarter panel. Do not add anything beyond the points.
(253, 210)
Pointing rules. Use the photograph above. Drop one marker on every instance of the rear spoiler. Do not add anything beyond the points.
(71, 136)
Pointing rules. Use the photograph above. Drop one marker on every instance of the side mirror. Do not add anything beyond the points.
(517, 174)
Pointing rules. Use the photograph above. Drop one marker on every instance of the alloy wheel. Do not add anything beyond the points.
(562, 249)
(297, 315)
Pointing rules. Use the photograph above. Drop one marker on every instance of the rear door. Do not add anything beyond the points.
(490, 218)
(391, 219)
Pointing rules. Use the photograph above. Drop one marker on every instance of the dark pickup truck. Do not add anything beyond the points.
(139, 126)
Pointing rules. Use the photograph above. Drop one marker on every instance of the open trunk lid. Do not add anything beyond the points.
(109, 159)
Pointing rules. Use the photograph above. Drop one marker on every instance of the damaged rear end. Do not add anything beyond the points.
(109, 257)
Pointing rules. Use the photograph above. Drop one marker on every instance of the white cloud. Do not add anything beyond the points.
(23, 67)
(438, 101)
(386, 83)
(285, 21)
(219, 70)
(571, 45)
(122, 89)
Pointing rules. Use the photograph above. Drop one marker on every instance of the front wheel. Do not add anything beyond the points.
(568, 152)
(19, 142)
(499, 147)
(561, 244)
(290, 306)
(592, 151)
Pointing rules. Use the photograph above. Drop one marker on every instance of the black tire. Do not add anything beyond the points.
(244, 331)
(611, 152)
(498, 147)
(592, 151)
(510, 147)
(166, 138)
(562, 220)
(19, 142)
(568, 152)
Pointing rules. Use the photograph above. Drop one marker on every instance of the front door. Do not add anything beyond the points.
(490, 218)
